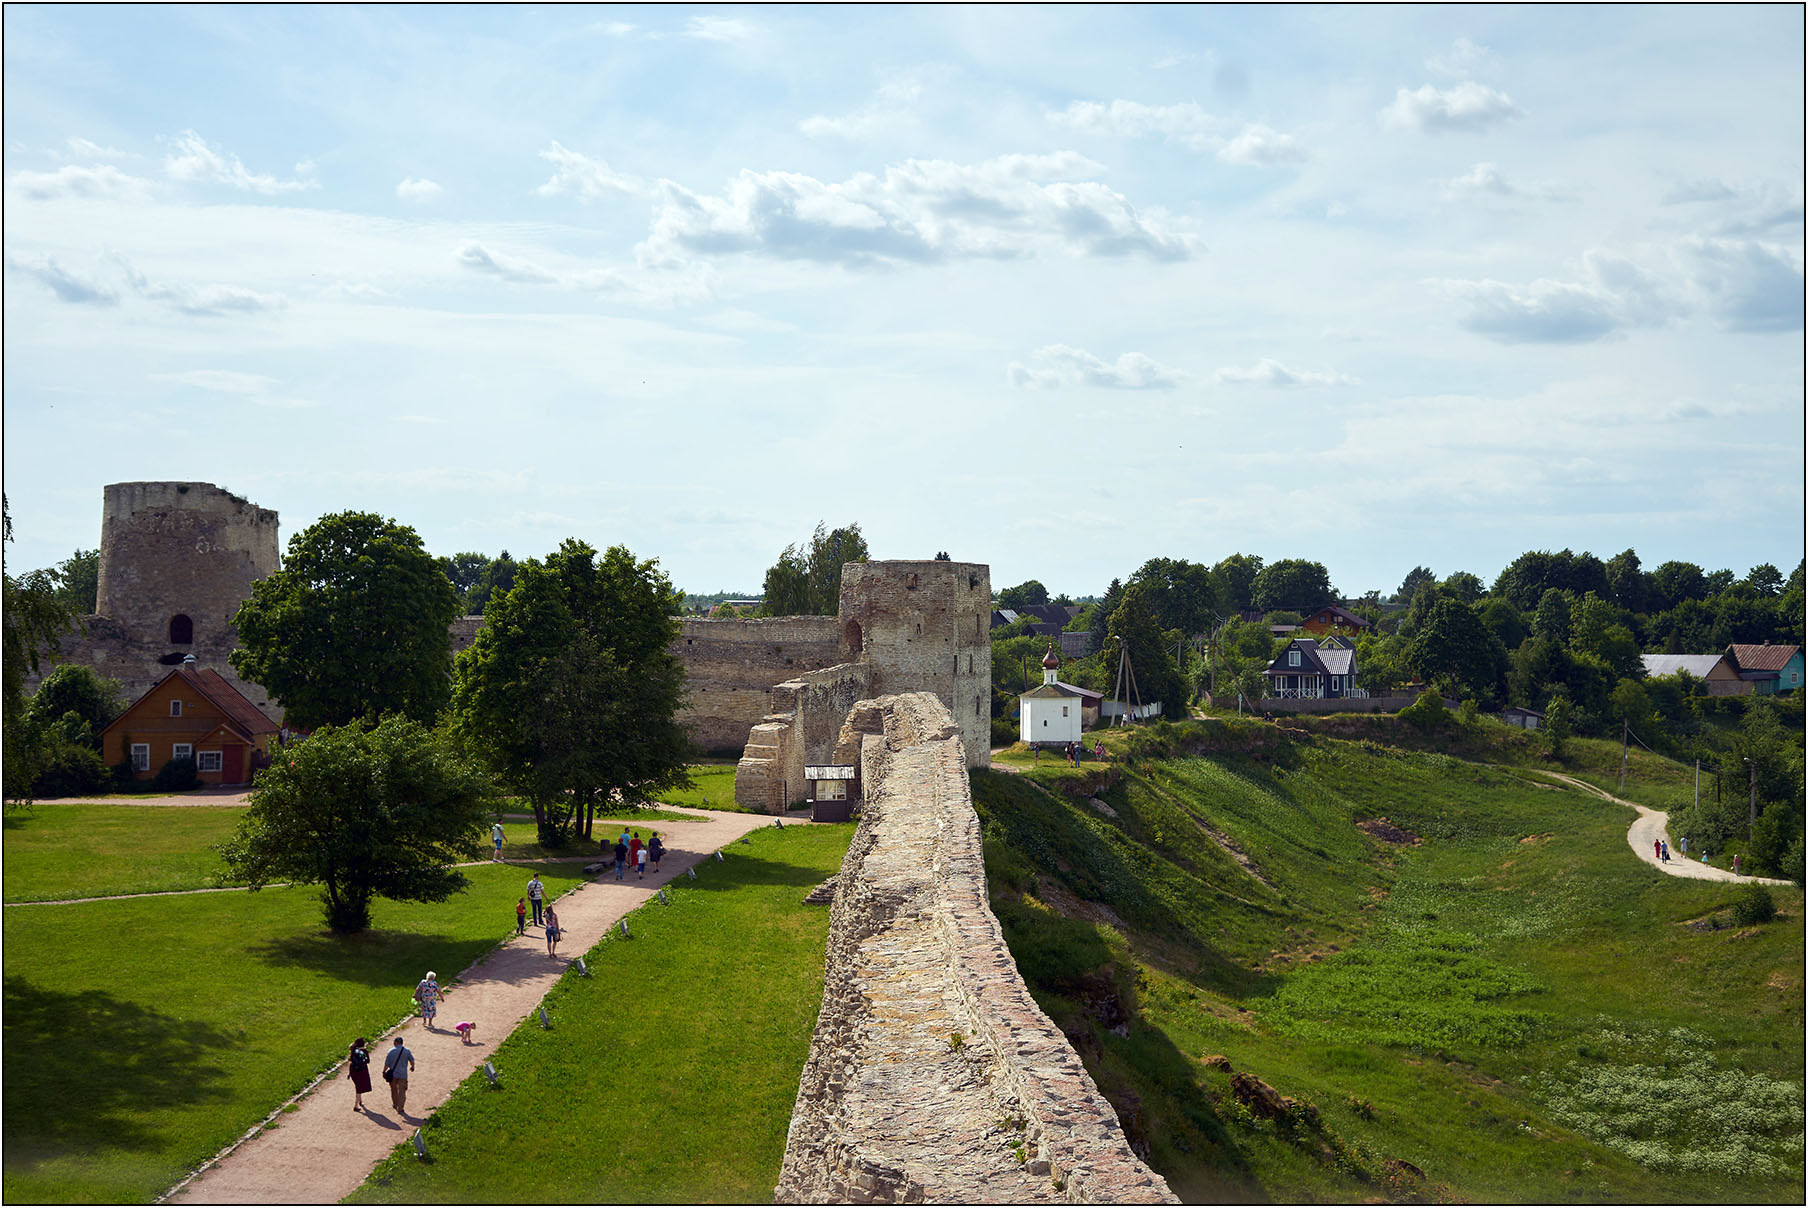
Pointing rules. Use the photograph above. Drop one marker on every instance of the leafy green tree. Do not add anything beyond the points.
(1455, 651)
(1530, 575)
(1133, 625)
(364, 813)
(570, 692)
(1417, 577)
(1552, 620)
(1183, 595)
(1627, 585)
(78, 581)
(34, 617)
(1631, 702)
(1464, 586)
(1766, 579)
(464, 570)
(354, 625)
(1237, 575)
(1026, 593)
(1295, 584)
(496, 578)
(1717, 581)
(1504, 621)
(1381, 662)
(806, 581)
(76, 689)
(1674, 582)
(1556, 727)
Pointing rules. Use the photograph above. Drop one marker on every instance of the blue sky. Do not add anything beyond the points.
(1054, 288)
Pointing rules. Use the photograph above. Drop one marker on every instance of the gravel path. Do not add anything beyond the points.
(1652, 825)
(323, 1151)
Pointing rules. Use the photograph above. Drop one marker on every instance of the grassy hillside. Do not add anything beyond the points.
(1463, 979)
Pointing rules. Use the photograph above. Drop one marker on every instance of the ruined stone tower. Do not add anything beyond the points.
(926, 627)
(176, 560)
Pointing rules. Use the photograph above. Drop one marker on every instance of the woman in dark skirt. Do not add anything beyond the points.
(359, 1060)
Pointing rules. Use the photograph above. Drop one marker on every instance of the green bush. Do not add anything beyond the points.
(1754, 905)
(1004, 731)
(176, 775)
(1427, 713)
(71, 769)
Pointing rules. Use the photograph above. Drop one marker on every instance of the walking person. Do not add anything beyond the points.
(1665, 857)
(536, 895)
(520, 916)
(634, 846)
(359, 1072)
(621, 857)
(640, 867)
(398, 1063)
(1735, 864)
(496, 838)
(428, 994)
(552, 932)
(1657, 849)
(1685, 845)
(655, 849)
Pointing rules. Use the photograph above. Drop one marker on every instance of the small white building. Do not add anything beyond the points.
(1051, 713)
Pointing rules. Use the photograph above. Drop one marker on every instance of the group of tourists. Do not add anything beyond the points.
(398, 1062)
(630, 850)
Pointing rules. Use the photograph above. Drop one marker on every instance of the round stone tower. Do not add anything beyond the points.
(926, 626)
(176, 560)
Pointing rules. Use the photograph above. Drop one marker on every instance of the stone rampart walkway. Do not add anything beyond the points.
(322, 1151)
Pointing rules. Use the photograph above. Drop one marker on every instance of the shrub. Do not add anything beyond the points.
(176, 775)
(71, 769)
(1426, 713)
(1754, 905)
(1004, 731)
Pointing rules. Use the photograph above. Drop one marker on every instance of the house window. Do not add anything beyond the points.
(207, 761)
(141, 757)
(182, 750)
(1063, 710)
(181, 630)
(1293, 658)
(175, 708)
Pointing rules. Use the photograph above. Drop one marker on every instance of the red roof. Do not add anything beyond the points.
(240, 713)
(1762, 658)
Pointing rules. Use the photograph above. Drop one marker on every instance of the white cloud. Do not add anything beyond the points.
(1259, 145)
(195, 159)
(224, 381)
(192, 299)
(1615, 293)
(78, 180)
(577, 175)
(1743, 209)
(475, 256)
(68, 286)
(1065, 366)
(413, 189)
(1487, 180)
(91, 150)
(1270, 372)
(1750, 286)
(719, 29)
(917, 211)
(1466, 107)
(656, 288)
(890, 105)
(1707, 189)
(1185, 123)
(1463, 58)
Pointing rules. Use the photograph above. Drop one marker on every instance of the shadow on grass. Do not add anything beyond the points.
(371, 958)
(743, 866)
(85, 1071)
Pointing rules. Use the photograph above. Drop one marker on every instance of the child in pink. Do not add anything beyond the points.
(464, 1028)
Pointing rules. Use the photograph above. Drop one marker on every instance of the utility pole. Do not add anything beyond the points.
(1625, 741)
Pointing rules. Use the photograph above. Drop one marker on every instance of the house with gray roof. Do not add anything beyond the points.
(1306, 670)
(1719, 673)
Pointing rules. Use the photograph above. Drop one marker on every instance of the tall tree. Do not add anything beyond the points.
(1552, 620)
(1101, 613)
(78, 581)
(34, 617)
(354, 625)
(1455, 651)
(806, 581)
(1627, 585)
(1417, 577)
(1295, 584)
(363, 813)
(1183, 595)
(1030, 591)
(464, 569)
(1766, 579)
(1674, 582)
(1238, 574)
(495, 578)
(78, 689)
(1133, 625)
(570, 691)
(1464, 586)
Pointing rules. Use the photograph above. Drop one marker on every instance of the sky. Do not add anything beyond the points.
(1059, 289)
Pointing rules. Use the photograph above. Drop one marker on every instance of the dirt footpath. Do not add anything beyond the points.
(1652, 825)
(323, 1151)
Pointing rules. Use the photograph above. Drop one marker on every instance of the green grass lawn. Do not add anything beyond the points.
(712, 788)
(142, 1036)
(86, 850)
(1516, 1005)
(667, 1077)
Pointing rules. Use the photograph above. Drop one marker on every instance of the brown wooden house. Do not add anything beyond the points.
(1332, 619)
(190, 713)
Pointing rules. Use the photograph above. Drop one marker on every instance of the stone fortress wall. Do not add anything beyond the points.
(176, 560)
(904, 627)
(932, 1068)
(730, 667)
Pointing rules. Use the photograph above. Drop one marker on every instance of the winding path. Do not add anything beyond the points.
(322, 1151)
(1652, 825)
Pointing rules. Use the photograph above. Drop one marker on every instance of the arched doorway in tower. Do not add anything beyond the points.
(181, 630)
